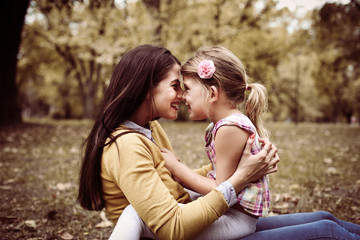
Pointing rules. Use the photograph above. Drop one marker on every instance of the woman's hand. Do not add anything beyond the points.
(252, 167)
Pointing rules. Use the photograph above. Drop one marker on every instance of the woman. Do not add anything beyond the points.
(123, 164)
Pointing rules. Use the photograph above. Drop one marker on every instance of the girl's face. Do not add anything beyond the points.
(168, 94)
(195, 99)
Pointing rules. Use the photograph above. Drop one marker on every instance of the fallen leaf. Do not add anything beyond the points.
(105, 221)
(30, 224)
(104, 224)
(294, 187)
(65, 235)
(331, 171)
(63, 186)
(328, 160)
(5, 187)
(74, 150)
(103, 216)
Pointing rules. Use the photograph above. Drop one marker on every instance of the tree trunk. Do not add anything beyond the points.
(12, 14)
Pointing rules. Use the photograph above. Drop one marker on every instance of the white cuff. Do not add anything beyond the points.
(227, 189)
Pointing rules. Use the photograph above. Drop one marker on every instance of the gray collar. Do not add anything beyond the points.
(140, 129)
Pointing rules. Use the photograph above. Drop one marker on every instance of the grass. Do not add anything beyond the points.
(39, 165)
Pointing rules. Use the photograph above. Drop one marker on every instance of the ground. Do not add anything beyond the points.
(39, 169)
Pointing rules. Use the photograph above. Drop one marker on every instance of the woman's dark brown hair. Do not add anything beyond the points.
(137, 73)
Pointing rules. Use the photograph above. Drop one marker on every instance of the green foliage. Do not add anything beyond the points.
(70, 48)
(78, 47)
(337, 75)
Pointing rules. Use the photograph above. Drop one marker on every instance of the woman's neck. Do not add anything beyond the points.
(142, 115)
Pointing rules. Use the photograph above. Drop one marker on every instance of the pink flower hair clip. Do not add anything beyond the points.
(206, 69)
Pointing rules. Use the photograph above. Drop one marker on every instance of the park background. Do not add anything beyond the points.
(57, 63)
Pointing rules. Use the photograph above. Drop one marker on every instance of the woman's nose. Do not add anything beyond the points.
(181, 94)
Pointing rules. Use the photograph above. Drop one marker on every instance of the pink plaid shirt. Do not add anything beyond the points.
(255, 197)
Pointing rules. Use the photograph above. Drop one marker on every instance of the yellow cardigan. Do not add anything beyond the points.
(136, 175)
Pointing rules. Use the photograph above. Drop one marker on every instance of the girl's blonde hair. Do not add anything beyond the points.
(230, 76)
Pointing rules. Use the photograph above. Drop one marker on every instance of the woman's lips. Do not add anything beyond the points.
(175, 105)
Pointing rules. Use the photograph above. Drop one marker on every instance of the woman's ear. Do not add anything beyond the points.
(148, 96)
(214, 94)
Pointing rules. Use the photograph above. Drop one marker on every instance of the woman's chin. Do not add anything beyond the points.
(171, 117)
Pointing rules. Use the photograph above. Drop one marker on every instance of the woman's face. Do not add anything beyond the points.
(168, 94)
(195, 99)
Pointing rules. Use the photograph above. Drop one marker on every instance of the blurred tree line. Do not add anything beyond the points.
(309, 64)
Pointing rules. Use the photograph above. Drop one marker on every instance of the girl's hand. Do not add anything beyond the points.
(252, 167)
(171, 160)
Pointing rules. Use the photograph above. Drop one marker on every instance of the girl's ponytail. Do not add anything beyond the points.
(256, 105)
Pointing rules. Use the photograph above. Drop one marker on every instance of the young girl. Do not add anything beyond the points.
(123, 164)
(216, 83)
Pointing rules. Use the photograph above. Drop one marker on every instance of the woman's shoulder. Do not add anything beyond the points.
(128, 136)
(127, 142)
(159, 135)
(155, 126)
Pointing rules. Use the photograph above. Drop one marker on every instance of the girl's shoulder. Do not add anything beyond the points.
(208, 133)
(237, 119)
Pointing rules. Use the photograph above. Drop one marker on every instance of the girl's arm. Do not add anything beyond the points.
(229, 145)
(186, 176)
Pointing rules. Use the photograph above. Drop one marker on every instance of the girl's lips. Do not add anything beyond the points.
(189, 108)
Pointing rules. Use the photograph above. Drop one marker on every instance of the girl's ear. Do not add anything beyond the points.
(214, 94)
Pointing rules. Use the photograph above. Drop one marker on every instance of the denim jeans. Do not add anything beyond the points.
(301, 226)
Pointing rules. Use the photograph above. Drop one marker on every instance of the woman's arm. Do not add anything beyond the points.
(147, 185)
(203, 171)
